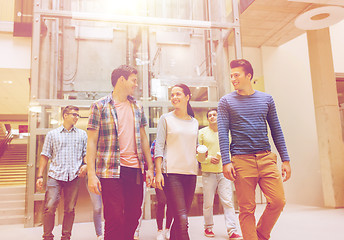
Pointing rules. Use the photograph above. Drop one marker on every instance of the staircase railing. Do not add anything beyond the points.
(5, 142)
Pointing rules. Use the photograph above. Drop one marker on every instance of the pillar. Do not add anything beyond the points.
(331, 147)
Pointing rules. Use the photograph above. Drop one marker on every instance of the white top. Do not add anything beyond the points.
(176, 142)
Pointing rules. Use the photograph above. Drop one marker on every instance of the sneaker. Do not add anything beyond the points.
(167, 233)
(160, 235)
(209, 233)
(235, 236)
(101, 237)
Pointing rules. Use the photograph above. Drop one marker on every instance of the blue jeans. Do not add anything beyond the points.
(179, 190)
(122, 199)
(97, 210)
(52, 198)
(211, 183)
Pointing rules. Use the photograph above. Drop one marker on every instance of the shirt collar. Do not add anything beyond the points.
(111, 101)
(62, 129)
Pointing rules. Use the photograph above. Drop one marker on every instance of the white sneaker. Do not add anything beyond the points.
(101, 237)
(160, 235)
(167, 234)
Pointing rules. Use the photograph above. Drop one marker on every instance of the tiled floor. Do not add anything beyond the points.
(296, 223)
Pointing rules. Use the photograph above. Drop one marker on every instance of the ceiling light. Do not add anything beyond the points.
(319, 18)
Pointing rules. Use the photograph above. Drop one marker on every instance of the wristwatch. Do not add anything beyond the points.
(39, 177)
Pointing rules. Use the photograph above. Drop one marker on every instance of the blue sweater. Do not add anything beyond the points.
(246, 118)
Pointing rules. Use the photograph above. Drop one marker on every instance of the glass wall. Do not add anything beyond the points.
(76, 44)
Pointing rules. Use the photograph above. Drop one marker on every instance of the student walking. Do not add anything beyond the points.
(246, 113)
(214, 181)
(116, 144)
(160, 209)
(65, 146)
(175, 159)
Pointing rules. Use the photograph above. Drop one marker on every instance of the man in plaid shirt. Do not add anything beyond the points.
(65, 146)
(116, 144)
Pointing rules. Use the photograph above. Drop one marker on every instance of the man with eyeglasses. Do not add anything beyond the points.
(65, 146)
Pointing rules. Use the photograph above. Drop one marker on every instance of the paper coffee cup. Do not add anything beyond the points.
(202, 150)
(218, 155)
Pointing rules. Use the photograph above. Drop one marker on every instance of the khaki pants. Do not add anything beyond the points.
(251, 169)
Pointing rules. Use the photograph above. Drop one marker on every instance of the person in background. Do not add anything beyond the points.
(116, 144)
(245, 113)
(97, 212)
(160, 209)
(137, 231)
(65, 146)
(213, 180)
(175, 159)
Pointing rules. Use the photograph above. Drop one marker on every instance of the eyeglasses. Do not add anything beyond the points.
(74, 114)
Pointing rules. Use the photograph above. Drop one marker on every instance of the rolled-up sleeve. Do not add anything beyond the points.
(47, 149)
(94, 118)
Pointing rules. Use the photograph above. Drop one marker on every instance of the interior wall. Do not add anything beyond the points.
(337, 42)
(288, 80)
(285, 74)
(15, 51)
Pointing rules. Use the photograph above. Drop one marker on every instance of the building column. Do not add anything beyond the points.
(331, 147)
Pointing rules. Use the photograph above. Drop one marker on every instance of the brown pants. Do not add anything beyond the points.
(251, 169)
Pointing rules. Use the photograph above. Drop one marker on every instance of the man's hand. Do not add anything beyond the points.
(286, 170)
(159, 181)
(39, 183)
(149, 177)
(214, 160)
(229, 171)
(94, 184)
(82, 171)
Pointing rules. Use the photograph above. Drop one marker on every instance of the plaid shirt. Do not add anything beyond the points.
(66, 149)
(103, 117)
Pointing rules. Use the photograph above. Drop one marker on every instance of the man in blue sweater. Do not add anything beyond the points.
(246, 112)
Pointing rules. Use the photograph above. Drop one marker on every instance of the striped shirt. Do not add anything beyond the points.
(66, 150)
(104, 119)
(246, 118)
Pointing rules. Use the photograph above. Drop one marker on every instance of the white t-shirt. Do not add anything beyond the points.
(176, 142)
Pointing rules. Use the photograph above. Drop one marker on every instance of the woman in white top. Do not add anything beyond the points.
(175, 158)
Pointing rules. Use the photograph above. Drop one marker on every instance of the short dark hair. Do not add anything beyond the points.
(210, 110)
(69, 108)
(123, 70)
(246, 66)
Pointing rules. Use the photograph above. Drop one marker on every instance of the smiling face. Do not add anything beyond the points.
(71, 118)
(130, 84)
(240, 80)
(178, 98)
(212, 117)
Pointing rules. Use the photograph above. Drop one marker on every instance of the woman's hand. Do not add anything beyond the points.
(159, 181)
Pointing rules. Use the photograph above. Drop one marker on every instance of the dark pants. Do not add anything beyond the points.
(160, 210)
(179, 190)
(52, 198)
(122, 199)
